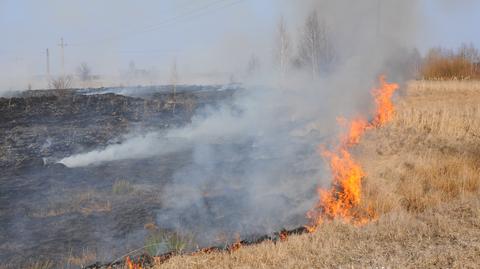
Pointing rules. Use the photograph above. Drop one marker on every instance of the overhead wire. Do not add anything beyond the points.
(192, 13)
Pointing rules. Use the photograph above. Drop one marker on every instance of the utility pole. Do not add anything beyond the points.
(48, 66)
(379, 15)
(62, 47)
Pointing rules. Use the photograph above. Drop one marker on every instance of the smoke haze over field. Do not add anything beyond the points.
(254, 165)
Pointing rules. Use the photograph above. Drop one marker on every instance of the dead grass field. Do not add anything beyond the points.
(423, 181)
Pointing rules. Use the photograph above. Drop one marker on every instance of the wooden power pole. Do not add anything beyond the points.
(48, 65)
(62, 48)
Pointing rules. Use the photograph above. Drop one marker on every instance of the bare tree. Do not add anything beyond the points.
(283, 47)
(316, 49)
(84, 72)
(231, 79)
(174, 81)
(253, 65)
(61, 83)
(469, 53)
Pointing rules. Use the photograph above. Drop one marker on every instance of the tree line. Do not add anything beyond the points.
(460, 63)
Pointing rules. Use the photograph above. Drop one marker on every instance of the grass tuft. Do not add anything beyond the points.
(122, 187)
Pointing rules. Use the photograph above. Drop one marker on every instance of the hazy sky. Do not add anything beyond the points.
(108, 34)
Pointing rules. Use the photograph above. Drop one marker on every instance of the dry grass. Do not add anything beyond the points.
(122, 187)
(423, 180)
(85, 203)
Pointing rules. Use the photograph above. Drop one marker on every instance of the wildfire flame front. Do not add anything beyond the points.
(341, 200)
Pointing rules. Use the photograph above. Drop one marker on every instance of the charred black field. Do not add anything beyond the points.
(91, 175)
(76, 216)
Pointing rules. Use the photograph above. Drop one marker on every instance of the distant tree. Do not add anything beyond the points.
(414, 63)
(282, 47)
(470, 54)
(84, 72)
(61, 82)
(253, 65)
(174, 81)
(131, 67)
(462, 63)
(231, 79)
(316, 50)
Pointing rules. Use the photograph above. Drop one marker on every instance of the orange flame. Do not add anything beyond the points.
(237, 245)
(383, 102)
(132, 265)
(341, 199)
(283, 235)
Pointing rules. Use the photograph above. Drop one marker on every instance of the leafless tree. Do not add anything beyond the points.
(84, 72)
(283, 47)
(231, 79)
(253, 65)
(174, 81)
(316, 49)
(470, 53)
(61, 83)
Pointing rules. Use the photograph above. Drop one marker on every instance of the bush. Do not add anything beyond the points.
(61, 83)
(443, 64)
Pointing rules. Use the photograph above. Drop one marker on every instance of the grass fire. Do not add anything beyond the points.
(343, 199)
(239, 134)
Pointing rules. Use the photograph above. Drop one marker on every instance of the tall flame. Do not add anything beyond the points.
(383, 102)
(341, 200)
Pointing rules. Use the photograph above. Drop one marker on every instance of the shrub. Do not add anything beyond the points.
(161, 241)
(464, 63)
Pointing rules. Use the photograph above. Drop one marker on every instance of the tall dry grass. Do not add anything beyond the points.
(423, 181)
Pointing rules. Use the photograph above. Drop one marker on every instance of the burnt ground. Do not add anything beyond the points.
(76, 216)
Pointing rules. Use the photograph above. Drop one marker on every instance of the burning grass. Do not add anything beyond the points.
(342, 200)
(421, 178)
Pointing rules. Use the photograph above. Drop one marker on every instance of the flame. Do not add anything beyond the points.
(383, 102)
(132, 265)
(342, 199)
(235, 246)
(283, 235)
(356, 128)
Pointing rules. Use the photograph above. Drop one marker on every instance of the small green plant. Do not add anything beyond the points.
(121, 187)
(154, 244)
(161, 241)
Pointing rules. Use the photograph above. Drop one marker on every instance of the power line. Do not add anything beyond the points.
(221, 4)
(200, 11)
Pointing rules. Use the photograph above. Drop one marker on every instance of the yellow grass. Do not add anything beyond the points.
(423, 180)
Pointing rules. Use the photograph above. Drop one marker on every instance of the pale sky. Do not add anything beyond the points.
(108, 34)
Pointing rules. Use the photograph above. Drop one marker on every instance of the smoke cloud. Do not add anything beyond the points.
(254, 166)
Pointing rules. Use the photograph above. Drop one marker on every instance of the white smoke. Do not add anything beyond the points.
(254, 165)
(138, 147)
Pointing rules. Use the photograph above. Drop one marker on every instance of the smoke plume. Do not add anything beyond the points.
(253, 165)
